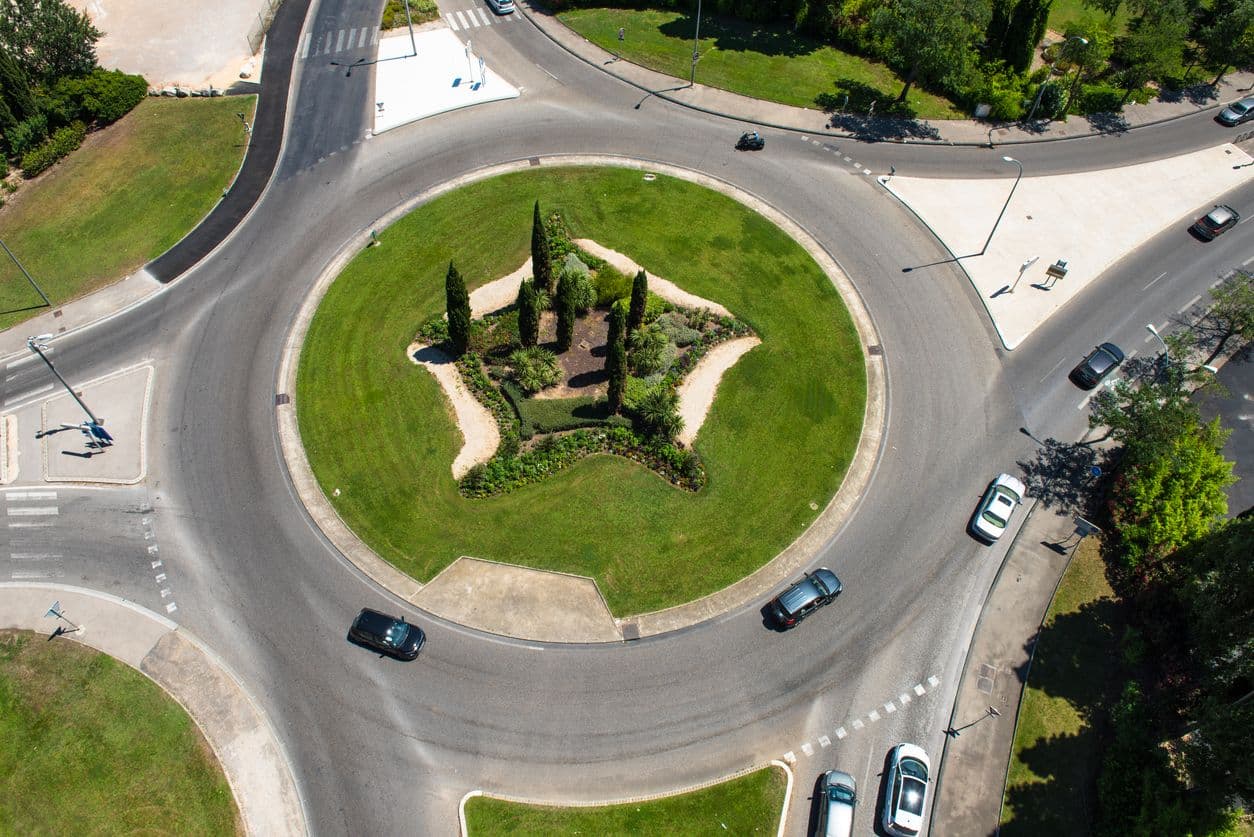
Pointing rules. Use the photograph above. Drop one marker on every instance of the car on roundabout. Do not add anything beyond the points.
(992, 515)
(818, 588)
(750, 141)
(838, 794)
(905, 797)
(1097, 366)
(1216, 222)
(1242, 110)
(386, 634)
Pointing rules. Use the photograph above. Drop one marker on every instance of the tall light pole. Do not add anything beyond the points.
(696, 51)
(1079, 70)
(1018, 177)
(37, 345)
(1166, 352)
(29, 278)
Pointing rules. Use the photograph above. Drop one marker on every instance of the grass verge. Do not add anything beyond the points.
(761, 61)
(128, 195)
(1075, 677)
(776, 445)
(751, 804)
(84, 739)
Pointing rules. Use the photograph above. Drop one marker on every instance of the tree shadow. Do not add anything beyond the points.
(1060, 475)
(1065, 802)
(1109, 123)
(1197, 94)
(730, 35)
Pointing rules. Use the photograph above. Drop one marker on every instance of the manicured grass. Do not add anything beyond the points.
(779, 437)
(1063, 12)
(128, 195)
(749, 805)
(1074, 680)
(91, 746)
(764, 62)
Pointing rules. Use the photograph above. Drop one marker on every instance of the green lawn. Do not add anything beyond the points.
(91, 746)
(780, 436)
(764, 62)
(751, 804)
(1074, 679)
(128, 195)
(1063, 12)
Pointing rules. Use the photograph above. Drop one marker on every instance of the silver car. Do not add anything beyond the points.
(1239, 111)
(839, 795)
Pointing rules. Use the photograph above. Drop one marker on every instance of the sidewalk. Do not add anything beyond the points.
(947, 132)
(241, 736)
(972, 773)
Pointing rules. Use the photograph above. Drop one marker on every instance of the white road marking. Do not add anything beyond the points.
(154, 549)
(1155, 279)
(874, 716)
(919, 690)
(304, 52)
(30, 358)
(156, 564)
(326, 47)
(840, 732)
(452, 24)
(30, 525)
(547, 73)
(1247, 261)
(510, 18)
(361, 40)
(1051, 371)
(790, 757)
(866, 171)
(374, 37)
(165, 592)
(30, 495)
(31, 511)
(484, 15)
(807, 748)
(824, 741)
(1190, 304)
(890, 707)
(160, 578)
(903, 699)
(857, 723)
(847, 158)
(33, 556)
(804, 138)
(171, 607)
(31, 574)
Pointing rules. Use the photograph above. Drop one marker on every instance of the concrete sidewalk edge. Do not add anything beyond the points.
(252, 757)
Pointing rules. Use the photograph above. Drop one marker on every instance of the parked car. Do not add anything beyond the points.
(905, 798)
(387, 634)
(1216, 222)
(502, 7)
(839, 794)
(1242, 110)
(992, 515)
(806, 596)
(1095, 368)
(750, 141)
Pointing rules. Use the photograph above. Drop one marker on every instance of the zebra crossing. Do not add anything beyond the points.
(27, 513)
(474, 18)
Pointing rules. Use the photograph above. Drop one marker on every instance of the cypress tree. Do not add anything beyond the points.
(565, 305)
(528, 315)
(639, 297)
(541, 259)
(7, 122)
(15, 88)
(458, 303)
(616, 358)
(618, 319)
(1025, 30)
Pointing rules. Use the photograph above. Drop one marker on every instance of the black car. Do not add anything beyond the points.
(803, 598)
(1216, 222)
(750, 141)
(1100, 362)
(386, 634)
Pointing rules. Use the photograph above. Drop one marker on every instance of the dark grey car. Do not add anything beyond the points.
(1097, 366)
(1216, 222)
(386, 634)
(806, 596)
(1239, 111)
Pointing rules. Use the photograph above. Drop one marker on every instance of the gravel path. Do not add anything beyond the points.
(696, 393)
(479, 430)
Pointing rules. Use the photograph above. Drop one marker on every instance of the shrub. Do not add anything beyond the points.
(1051, 99)
(658, 412)
(528, 314)
(533, 368)
(59, 145)
(634, 391)
(611, 285)
(104, 95)
(420, 11)
(675, 326)
(27, 134)
(583, 292)
(1099, 98)
(651, 351)
(565, 306)
(516, 398)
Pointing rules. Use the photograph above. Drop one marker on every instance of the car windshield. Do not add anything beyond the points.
(396, 634)
(840, 793)
(912, 791)
(913, 767)
(1239, 108)
(1101, 361)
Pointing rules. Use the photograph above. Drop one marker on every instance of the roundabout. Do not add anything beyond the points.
(773, 473)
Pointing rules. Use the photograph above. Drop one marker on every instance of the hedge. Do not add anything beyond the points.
(59, 145)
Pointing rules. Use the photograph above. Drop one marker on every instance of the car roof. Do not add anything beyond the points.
(1244, 104)
(373, 620)
(799, 594)
(1221, 214)
(1113, 350)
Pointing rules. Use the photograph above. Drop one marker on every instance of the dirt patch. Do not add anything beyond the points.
(583, 366)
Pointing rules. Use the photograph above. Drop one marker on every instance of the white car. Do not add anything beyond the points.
(992, 515)
(905, 798)
(840, 794)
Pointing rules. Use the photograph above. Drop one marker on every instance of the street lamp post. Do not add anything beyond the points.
(1006, 204)
(696, 47)
(1180, 364)
(37, 345)
(29, 278)
(1079, 70)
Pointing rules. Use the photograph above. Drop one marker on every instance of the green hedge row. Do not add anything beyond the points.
(59, 145)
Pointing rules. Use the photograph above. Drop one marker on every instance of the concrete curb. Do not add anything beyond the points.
(604, 67)
(251, 754)
(783, 816)
(826, 526)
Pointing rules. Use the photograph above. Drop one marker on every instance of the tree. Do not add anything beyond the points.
(565, 304)
(1145, 416)
(528, 314)
(930, 39)
(1228, 39)
(541, 258)
(658, 411)
(1154, 45)
(457, 302)
(1016, 28)
(49, 38)
(1232, 313)
(616, 359)
(15, 88)
(639, 299)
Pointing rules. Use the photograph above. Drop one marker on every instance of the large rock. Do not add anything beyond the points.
(573, 262)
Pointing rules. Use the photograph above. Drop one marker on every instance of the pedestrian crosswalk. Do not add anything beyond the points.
(473, 18)
(335, 42)
(31, 510)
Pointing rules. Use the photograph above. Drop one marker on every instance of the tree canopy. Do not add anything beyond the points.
(931, 39)
(49, 39)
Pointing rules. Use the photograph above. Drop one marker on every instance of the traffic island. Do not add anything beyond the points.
(74, 451)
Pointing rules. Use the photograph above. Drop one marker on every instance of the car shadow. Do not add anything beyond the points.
(768, 620)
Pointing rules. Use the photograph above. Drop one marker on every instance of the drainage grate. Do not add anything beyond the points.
(631, 630)
(875, 350)
(281, 399)
(535, 161)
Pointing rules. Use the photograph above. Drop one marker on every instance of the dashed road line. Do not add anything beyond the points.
(873, 715)
(919, 690)
(933, 681)
(1051, 371)
(824, 741)
(32, 511)
(890, 708)
(1155, 279)
(903, 699)
(841, 732)
(807, 748)
(10, 496)
(857, 723)
(1194, 301)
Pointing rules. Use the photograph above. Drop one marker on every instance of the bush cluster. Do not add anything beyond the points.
(507, 423)
(59, 145)
(104, 96)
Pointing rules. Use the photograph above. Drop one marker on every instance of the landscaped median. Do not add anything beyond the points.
(781, 433)
(750, 804)
(130, 193)
(90, 746)
(1074, 681)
